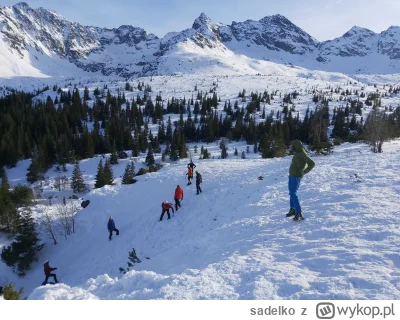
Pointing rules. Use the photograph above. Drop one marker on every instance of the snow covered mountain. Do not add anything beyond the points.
(41, 43)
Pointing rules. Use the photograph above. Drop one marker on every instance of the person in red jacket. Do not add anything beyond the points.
(189, 174)
(47, 272)
(178, 197)
(165, 209)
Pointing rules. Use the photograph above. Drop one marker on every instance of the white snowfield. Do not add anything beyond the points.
(233, 241)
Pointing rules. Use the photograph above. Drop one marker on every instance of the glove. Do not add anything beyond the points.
(54, 268)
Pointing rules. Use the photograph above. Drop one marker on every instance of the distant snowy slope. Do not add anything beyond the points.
(233, 240)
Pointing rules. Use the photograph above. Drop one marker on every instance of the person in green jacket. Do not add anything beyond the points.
(301, 165)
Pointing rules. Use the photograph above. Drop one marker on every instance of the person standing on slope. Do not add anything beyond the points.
(191, 164)
(165, 209)
(301, 165)
(47, 272)
(178, 197)
(199, 180)
(111, 227)
(189, 174)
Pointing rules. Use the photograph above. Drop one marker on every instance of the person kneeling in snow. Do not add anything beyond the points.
(111, 227)
(165, 209)
(47, 272)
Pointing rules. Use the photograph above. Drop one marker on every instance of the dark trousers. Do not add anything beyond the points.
(163, 212)
(198, 188)
(111, 231)
(51, 275)
(190, 179)
(177, 204)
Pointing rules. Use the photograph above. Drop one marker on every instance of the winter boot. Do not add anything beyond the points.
(298, 217)
(290, 213)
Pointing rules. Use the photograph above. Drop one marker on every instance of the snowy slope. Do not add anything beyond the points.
(233, 241)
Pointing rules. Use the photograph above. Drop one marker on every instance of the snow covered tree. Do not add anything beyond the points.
(77, 182)
(243, 155)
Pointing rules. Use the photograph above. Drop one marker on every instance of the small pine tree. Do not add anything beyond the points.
(129, 174)
(224, 152)
(108, 173)
(150, 157)
(248, 149)
(9, 293)
(243, 155)
(236, 152)
(206, 154)
(195, 149)
(77, 183)
(133, 258)
(23, 251)
(100, 180)
(114, 155)
(34, 168)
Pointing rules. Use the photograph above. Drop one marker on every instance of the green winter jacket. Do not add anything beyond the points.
(300, 160)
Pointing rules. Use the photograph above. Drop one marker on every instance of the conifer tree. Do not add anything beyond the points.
(100, 179)
(9, 293)
(77, 184)
(8, 211)
(224, 152)
(34, 169)
(108, 173)
(23, 251)
(114, 156)
(150, 156)
(5, 185)
(129, 174)
(173, 155)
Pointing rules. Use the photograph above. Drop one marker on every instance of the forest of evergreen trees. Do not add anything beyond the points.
(57, 131)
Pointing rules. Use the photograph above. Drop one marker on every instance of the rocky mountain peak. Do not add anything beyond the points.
(202, 21)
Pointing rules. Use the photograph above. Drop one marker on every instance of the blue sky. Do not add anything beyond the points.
(322, 19)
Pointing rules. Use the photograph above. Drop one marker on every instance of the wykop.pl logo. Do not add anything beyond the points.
(325, 310)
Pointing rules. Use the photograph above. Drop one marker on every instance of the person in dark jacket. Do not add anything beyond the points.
(199, 180)
(191, 164)
(178, 197)
(301, 165)
(47, 272)
(165, 209)
(111, 227)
